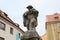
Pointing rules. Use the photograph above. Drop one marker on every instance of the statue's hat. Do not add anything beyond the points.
(29, 6)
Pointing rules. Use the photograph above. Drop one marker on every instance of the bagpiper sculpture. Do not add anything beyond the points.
(30, 21)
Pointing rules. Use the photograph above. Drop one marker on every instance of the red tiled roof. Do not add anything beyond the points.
(55, 17)
(5, 16)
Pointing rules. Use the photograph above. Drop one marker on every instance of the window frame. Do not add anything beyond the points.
(58, 27)
(4, 25)
(2, 38)
(11, 30)
(19, 35)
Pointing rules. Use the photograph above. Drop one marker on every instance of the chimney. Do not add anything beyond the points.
(1, 11)
(17, 25)
(5, 14)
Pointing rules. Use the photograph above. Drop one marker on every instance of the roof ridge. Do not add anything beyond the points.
(5, 16)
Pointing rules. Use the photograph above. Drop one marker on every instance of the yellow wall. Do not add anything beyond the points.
(6, 33)
(52, 31)
(44, 37)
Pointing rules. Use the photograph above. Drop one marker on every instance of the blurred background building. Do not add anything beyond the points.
(53, 27)
(9, 30)
(44, 37)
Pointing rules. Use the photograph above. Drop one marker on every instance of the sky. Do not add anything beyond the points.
(16, 8)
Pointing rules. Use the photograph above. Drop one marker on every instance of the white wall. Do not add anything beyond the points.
(6, 34)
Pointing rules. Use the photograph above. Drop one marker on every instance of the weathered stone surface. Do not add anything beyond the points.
(30, 21)
(30, 18)
(30, 34)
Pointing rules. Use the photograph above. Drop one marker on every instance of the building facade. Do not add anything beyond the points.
(8, 29)
(44, 37)
(53, 27)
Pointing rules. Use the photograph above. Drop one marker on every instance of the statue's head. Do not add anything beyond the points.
(29, 7)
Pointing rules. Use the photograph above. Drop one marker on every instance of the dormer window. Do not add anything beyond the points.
(56, 18)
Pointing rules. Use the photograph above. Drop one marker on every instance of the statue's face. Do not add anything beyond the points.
(29, 8)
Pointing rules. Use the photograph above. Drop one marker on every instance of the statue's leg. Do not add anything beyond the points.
(28, 27)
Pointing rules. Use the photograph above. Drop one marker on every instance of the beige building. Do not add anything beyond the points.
(8, 29)
(53, 27)
(44, 37)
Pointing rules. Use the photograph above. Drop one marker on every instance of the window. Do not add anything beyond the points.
(2, 26)
(11, 30)
(2, 38)
(57, 18)
(17, 36)
(59, 27)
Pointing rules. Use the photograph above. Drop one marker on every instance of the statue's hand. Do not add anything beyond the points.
(25, 14)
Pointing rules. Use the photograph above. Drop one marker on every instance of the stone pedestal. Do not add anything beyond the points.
(30, 35)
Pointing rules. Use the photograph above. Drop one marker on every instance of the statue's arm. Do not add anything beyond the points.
(36, 13)
(24, 19)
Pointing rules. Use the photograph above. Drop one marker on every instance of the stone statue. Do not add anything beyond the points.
(30, 21)
(30, 18)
